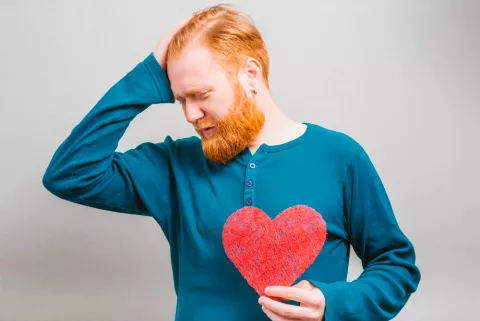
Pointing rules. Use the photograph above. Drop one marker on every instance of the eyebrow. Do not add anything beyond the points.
(194, 91)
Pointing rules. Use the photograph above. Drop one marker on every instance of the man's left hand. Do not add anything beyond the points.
(311, 299)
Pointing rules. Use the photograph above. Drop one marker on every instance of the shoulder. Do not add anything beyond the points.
(345, 150)
(336, 144)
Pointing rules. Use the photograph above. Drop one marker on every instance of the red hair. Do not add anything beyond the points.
(229, 34)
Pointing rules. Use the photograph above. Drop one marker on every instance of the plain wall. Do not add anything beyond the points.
(401, 77)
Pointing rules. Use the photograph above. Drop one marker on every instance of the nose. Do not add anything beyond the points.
(193, 112)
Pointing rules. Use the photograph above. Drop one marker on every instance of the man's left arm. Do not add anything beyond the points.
(390, 275)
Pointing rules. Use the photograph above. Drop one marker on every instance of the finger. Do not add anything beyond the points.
(307, 297)
(285, 310)
(304, 284)
(274, 316)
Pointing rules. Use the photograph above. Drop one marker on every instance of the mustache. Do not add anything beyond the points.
(201, 124)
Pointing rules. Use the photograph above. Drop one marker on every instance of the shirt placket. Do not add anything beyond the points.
(253, 166)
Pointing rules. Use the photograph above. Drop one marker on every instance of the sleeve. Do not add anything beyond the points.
(389, 274)
(86, 169)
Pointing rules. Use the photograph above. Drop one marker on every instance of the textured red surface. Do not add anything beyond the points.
(273, 252)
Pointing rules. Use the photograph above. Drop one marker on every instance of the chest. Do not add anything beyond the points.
(270, 184)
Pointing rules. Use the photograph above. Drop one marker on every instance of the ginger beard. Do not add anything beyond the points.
(234, 132)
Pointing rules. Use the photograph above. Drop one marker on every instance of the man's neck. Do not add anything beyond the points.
(278, 128)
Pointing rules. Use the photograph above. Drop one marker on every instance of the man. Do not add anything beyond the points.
(250, 160)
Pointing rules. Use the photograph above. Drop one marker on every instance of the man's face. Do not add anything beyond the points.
(221, 111)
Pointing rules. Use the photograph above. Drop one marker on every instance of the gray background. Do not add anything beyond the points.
(401, 77)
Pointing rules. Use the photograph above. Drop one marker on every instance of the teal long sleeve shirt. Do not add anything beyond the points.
(191, 198)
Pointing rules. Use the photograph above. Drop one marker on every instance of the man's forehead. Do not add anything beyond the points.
(196, 61)
(194, 70)
(190, 83)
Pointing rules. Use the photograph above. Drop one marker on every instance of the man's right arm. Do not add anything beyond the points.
(86, 169)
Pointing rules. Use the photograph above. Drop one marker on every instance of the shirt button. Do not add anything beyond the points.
(249, 201)
(252, 165)
(249, 183)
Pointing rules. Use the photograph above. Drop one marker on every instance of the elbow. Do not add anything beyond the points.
(54, 183)
(48, 182)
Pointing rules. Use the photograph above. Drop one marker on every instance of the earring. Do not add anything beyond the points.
(254, 91)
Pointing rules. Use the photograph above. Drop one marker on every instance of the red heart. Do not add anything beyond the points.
(273, 252)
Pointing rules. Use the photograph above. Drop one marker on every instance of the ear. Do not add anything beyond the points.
(250, 74)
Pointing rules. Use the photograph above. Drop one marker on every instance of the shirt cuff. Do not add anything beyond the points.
(160, 78)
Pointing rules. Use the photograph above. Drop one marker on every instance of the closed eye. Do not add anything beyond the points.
(195, 96)
(200, 96)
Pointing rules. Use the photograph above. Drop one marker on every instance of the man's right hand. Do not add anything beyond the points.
(160, 51)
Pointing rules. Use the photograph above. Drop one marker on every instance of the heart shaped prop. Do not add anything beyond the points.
(273, 252)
